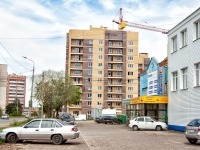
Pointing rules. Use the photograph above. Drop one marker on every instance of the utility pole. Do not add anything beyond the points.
(42, 95)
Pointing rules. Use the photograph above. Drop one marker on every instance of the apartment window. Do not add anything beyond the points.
(77, 57)
(98, 103)
(184, 78)
(119, 51)
(110, 43)
(100, 56)
(110, 51)
(99, 95)
(119, 43)
(89, 79)
(100, 49)
(130, 42)
(99, 79)
(90, 64)
(89, 72)
(90, 87)
(184, 38)
(89, 95)
(77, 42)
(130, 73)
(174, 44)
(119, 58)
(76, 72)
(130, 58)
(89, 103)
(100, 64)
(118, 104)
(130, 96)
(99, 87)
(130, 88)
(77, 50)
(89, 56)
(130, 50)
(175, 81)
(119, 65)
(119, 73)
(90, 49)
(197, 66)
(89, 112)
(100, 41)
(99, 72)
(109, 103)
(90, 41)
(197, 29)
(109, 96)
(130, 80)
(130, 65)
(118, 96)
(77, 65)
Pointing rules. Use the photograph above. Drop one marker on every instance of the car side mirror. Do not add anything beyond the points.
(152, 121)
(25, 127)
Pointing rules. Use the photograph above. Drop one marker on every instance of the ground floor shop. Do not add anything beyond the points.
(153, 106)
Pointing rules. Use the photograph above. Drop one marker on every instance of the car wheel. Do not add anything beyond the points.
(57, 139)
(64, 141)
(158, 128)
(135, 128)
(192, 141)
(12, 138)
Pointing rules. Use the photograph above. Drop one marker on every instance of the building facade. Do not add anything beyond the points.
(153, 99)
(104, 64)
(16, 89)
(184, 71)
(3, 85)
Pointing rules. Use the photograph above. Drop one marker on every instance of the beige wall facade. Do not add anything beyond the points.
(3, 85)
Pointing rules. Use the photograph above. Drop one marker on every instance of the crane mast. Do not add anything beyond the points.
(122, 24)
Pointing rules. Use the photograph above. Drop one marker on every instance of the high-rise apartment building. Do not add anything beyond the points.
(16, 89)
(104, 64)
(3, 84)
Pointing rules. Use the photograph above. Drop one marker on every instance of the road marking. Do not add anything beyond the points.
(86, 141)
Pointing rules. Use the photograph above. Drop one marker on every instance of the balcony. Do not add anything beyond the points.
(76, 75)
(115, 91)
(115, 83)
(75, 67)
(77, 83)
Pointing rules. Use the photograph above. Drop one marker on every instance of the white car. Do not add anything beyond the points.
(145, 122)
(41, 129)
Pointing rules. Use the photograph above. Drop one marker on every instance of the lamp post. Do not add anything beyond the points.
(31, 96)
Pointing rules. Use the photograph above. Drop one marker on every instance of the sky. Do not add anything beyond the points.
(37, 29)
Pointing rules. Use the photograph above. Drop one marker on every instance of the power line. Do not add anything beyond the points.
(12, 56)
(33, 38)
(8, 63)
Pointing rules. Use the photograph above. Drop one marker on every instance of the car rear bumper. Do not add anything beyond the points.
(192, 136)
(72, 135)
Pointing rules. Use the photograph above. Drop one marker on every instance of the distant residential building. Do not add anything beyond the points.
(184, 71)
(16, 89)
(104, 64)
(3, 85)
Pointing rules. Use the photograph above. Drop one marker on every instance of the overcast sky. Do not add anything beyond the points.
(37, 28)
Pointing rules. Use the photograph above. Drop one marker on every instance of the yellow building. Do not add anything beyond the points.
(104, 64)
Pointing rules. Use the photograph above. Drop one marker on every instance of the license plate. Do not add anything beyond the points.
(191, 131)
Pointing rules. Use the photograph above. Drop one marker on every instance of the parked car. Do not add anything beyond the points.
(192, 131)
(41, 129)
(145, 122)
(69, 119)
(100, 119)
(5, 116)
(112, 120)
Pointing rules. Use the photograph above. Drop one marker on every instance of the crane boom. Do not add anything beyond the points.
(123, 24)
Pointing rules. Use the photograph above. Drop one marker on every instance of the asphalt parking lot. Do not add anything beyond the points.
(113, 137)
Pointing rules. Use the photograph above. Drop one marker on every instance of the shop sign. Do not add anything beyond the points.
(135, 100)
(154, 99)
(126, 101)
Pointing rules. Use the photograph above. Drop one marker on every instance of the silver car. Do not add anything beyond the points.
(192, 131)
(41, 129)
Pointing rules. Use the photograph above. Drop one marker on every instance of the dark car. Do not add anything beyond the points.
(192, 131)
(100, 119)
(69, 119)
(112, 120)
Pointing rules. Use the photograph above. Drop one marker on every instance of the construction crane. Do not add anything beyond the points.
(122, 24)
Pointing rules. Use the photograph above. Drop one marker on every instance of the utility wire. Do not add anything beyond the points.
(12, 56)
(8, 63)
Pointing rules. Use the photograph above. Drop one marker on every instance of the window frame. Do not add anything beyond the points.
(184, 78)
(184, 38)
(174, 44)
(197, 74)
(175, 81)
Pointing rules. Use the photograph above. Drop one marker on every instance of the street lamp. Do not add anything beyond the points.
(31, 96)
